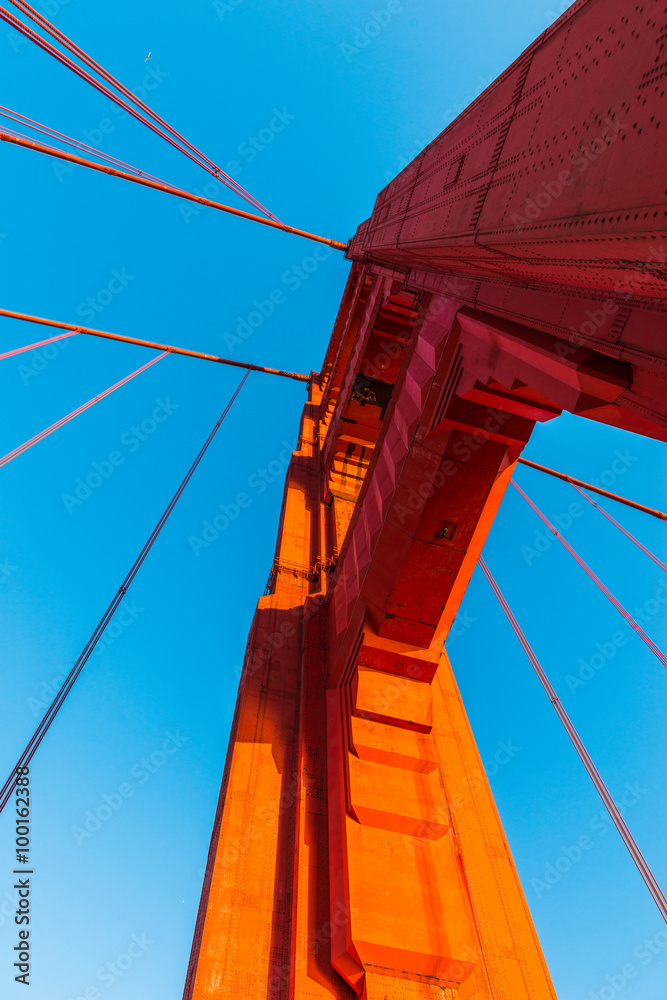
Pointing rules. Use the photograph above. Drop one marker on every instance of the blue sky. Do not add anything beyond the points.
(351, 121)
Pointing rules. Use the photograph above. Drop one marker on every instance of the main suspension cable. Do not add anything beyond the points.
(179, 143)
(596, 580)
(642, 866)
(56, 704)
(594, 489)
(6, 459)
(60, 154)
(89, 331)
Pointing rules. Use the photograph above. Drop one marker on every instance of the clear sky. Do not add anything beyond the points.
(345, 122)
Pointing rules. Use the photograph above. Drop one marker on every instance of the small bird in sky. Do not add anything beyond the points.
(147, 57)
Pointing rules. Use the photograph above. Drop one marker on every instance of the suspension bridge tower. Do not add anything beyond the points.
(515, 269)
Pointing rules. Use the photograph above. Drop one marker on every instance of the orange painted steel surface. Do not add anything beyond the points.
(357, 848)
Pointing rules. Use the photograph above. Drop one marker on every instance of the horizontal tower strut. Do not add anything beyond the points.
(152, 345)
(594, 489)
(168, 189)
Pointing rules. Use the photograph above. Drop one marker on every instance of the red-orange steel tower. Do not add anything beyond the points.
(514, 270)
